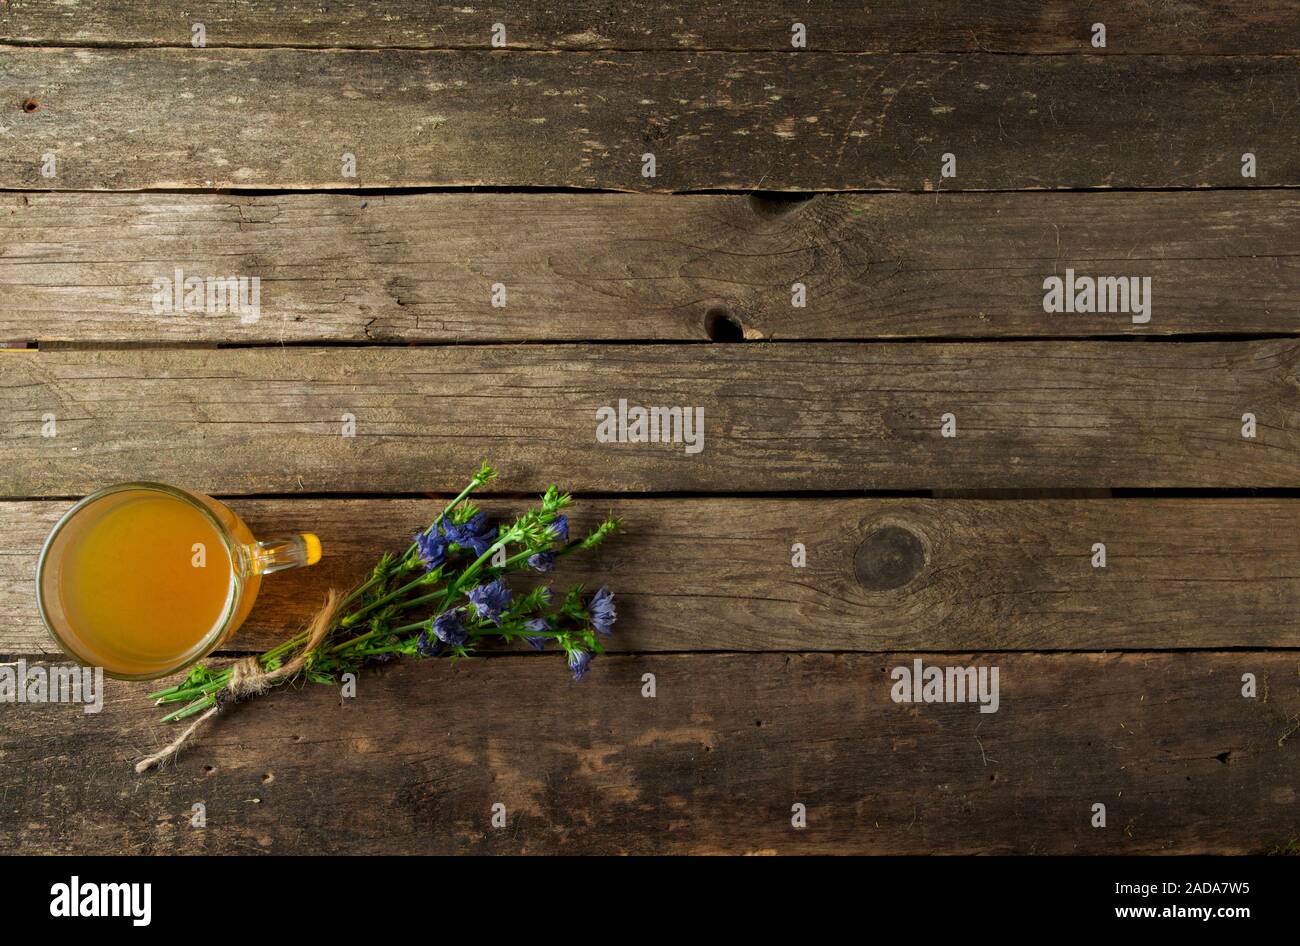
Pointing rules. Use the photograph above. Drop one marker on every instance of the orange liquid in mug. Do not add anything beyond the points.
(128, 581)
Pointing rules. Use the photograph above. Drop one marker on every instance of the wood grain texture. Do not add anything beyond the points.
(1030, 26)
(631, 267)
(717, 574)
(1182, 762)
(238, 118)
(776, 417)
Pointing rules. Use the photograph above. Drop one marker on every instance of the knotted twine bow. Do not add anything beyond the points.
(247, 678)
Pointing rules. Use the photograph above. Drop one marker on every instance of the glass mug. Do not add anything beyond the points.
(144, 579)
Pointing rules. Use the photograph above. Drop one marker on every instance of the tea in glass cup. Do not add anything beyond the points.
(143, 579)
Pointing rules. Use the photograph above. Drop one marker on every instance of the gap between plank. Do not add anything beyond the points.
(520, 49)
(1009, 494)
(653, 654)
(54, 345)
(363, 191)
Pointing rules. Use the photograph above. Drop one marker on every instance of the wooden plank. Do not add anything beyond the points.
(629, 267)
(881, 574)
(240, 118)
(1182, 762)
(1031, 26)
(775, 417)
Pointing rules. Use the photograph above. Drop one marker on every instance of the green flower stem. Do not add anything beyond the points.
(405, 627)
(513, 635)
(212, 687)
(375, 651)
(173, 693)
(359, 589)
(525, 555)
(378, 602)
(281, 649)
(422, 599)
(195, 707)
(407, 605)
(158, 695)
(511, 562)
(356, 640)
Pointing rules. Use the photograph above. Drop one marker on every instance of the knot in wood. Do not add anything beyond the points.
(889, 557)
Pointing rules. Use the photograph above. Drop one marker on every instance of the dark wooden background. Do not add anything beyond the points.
(521, 166)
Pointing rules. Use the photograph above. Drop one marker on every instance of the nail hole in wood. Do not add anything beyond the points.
(721, 326)
(777, 203)
(888, 558)
(30, 105)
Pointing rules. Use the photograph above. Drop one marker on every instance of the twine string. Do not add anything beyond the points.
(247, 678)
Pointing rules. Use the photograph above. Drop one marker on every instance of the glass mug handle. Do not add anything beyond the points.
(278, 554)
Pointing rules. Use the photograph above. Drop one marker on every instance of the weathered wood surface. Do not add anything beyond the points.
(1030, 26)
(1181, 760)
(881, 574)
(241, 118)
(630, 267)
(776, 417)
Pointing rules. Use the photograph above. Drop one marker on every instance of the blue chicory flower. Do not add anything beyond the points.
(475, 533)
(448, 628)
(602, 611)
(579, 663)
(490, 600)
(461, 532)
(542, 561)
(432, 547)
(427, 646)
(537, 624)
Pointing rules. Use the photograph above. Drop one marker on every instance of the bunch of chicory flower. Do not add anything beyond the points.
(453, 577)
